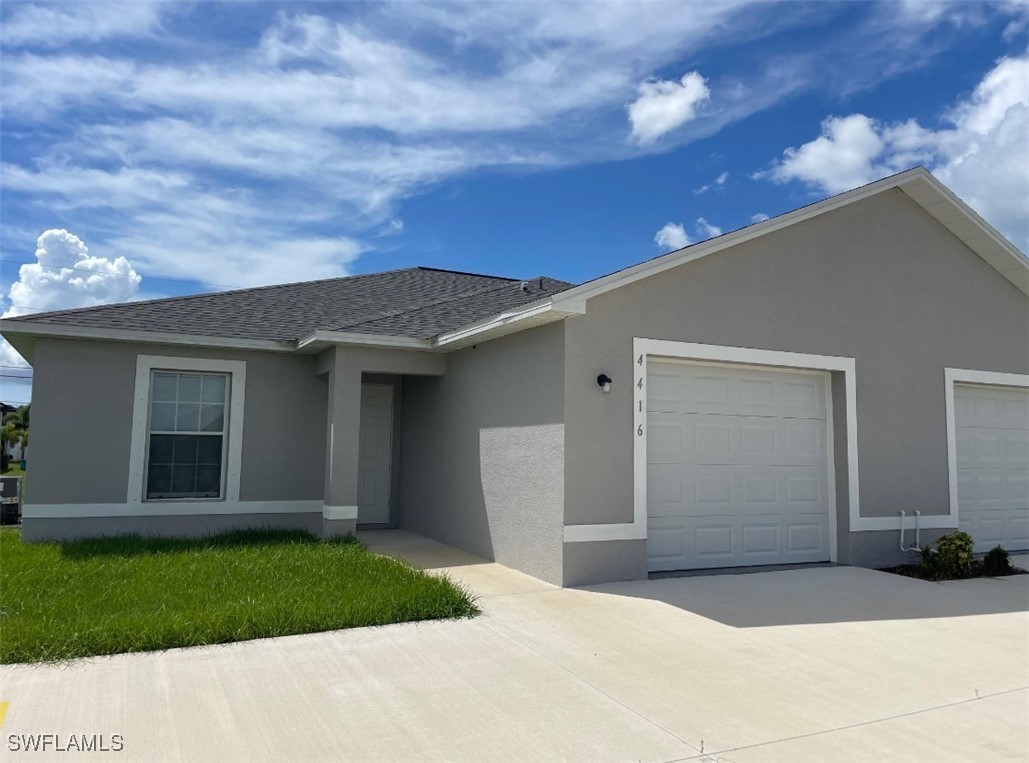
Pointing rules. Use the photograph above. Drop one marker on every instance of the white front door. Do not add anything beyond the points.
(991, 432)
(376, 455)
(738, 468)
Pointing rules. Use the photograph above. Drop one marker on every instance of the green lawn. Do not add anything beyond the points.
(130, 594)
(13, 470)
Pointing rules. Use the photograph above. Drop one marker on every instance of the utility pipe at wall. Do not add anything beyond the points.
(917, 546)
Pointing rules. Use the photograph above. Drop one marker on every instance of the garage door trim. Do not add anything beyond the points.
(643, 349)
(954, 376)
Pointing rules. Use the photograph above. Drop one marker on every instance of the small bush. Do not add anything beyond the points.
(949, 557)
(996, 563)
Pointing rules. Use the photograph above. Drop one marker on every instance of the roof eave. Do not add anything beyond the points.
(527, 316)
(23, 334)
(321, 340)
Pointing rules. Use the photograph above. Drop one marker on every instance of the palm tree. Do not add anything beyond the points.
(15, 428)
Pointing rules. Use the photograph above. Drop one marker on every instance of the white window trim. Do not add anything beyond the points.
(952, 376)
(637, 529)
(145, 366)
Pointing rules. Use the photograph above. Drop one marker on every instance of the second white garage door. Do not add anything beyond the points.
(737, 466)
(992, 438)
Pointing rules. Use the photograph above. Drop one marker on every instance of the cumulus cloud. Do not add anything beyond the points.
(758, 217)
(663, 105)
(706, 229)
(64, 276)
(672, 236)
(981, 151)
(718, 182)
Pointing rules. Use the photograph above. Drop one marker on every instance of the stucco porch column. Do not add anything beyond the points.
(339, 511)
(344, 366)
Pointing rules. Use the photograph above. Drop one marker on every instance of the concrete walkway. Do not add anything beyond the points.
(830, 664)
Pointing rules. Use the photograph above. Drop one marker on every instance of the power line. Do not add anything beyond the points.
(124, 275)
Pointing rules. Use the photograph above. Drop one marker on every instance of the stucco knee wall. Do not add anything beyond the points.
(82, 418)
(482, 452)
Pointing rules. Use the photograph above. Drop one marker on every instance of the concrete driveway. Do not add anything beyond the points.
(818, 664)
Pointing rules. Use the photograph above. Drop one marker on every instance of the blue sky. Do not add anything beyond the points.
(239, 144)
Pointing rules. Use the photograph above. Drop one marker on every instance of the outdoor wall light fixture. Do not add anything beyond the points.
(605, 382)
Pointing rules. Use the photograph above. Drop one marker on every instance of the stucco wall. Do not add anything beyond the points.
(82, 417)
(482, 452)
(879, 281)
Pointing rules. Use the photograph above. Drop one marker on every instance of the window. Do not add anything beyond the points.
(186, 436)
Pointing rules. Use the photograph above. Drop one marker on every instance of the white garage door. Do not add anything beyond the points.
(991, 432)
(737, 466)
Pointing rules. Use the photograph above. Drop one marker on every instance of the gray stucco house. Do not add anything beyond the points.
(777, 394)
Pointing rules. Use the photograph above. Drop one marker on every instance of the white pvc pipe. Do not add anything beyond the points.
(917, 546)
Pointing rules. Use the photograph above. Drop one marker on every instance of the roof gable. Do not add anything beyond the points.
(918, 183)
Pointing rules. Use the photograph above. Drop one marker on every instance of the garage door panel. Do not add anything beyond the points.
(688, 388)
(992, 446)
(991, 407)
(675, 438)
(674, 490)
(721, 541)
(1007, 528)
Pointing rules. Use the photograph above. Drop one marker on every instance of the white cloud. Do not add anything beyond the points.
(718, 182)
(663, 105)
(52, 25)
(758, 217)
(672, 236)
(842, 157)
(707, 230)
(64, 276)
(981, 152)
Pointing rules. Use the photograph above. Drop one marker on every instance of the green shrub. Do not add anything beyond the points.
(949, 557)
(996, 562)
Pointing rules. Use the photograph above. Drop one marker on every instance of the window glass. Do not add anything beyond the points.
(186, 438)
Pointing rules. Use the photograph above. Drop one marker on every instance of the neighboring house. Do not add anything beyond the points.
(778, 394)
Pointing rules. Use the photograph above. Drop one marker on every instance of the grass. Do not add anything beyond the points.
(131, 594)
(14, 470)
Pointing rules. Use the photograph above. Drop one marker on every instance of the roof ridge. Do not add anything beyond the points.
(424, 305)
(466, 273)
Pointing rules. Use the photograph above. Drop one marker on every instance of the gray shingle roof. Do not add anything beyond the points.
(414, 302)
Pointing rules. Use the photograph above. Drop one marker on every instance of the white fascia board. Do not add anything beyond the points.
(321, 339)
(1018, 263)
(63, 331)
(543, 311)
